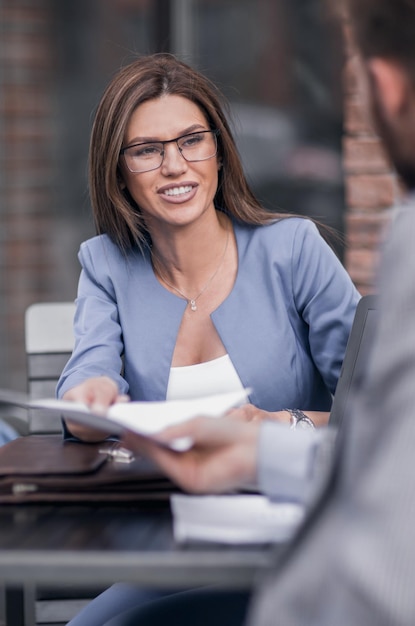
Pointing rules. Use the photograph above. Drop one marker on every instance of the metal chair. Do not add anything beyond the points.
(49, 343)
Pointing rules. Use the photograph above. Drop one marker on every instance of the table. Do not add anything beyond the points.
(81, 544)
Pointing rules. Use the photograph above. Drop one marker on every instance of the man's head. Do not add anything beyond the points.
(385, 28)
(384, 31)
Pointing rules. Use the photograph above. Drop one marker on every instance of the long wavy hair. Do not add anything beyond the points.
(147, 78)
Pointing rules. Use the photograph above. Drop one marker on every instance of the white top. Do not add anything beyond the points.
(203, 379)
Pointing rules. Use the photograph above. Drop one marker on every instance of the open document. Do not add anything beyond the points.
(144, 418)
(232, 519)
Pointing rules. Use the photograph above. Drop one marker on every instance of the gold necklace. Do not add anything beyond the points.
(190, 301)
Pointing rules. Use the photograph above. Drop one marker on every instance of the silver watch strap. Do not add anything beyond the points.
(298, 416)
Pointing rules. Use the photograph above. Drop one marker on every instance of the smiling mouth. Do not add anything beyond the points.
(177, 191)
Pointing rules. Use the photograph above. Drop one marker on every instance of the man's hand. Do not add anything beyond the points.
(223, 455)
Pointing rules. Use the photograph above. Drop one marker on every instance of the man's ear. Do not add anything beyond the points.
(390, 83)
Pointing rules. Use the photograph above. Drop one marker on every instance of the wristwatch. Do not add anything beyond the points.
(299, 419)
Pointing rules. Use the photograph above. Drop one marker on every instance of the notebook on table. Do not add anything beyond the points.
(356, 356)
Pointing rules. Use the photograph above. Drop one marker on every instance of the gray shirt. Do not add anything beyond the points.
(352, 562)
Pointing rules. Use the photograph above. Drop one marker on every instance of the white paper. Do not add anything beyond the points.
(233, 519)
(145, 418)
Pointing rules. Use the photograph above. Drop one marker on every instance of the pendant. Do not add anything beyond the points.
(193, 305)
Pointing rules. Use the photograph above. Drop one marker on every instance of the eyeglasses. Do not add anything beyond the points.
(144, 157)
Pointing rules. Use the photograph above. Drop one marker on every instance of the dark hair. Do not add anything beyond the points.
(147, 78)
(385, 28)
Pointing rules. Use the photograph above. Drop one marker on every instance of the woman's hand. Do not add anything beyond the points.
(250, 413)
(98, 394)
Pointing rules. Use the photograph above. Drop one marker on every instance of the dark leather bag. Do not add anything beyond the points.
(45, 468)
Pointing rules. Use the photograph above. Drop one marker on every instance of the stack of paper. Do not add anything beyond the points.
(144, 418)
(234, 519)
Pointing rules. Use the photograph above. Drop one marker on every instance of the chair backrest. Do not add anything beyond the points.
(49, 343)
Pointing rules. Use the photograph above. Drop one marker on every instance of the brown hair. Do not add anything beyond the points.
(149, 77)
(385, 28)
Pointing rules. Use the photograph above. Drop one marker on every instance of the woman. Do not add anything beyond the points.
(191, 286)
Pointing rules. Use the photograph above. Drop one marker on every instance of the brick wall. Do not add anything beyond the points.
(27, 182)
(372, 187)
(36, 239)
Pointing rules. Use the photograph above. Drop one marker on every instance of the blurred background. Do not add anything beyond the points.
(278, 62)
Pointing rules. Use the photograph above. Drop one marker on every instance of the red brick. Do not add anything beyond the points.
(349, 47)
(357, 118)
(362, 266)
(366, 230)
(29, 50)
(371, 191)
(36, 16)
(27, 111)
(364, 155)
(26, 100)
(354, 79)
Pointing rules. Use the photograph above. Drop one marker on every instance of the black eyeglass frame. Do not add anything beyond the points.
(215, 133)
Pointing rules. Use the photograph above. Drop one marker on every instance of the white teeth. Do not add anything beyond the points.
(175, 191)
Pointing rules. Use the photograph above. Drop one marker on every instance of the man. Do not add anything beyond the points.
(353, 561)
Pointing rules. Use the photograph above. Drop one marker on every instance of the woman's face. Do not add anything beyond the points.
(179, 191)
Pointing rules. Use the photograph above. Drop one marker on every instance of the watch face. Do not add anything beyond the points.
(305, 424)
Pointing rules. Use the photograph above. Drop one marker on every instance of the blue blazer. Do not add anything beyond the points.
(285, 323)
